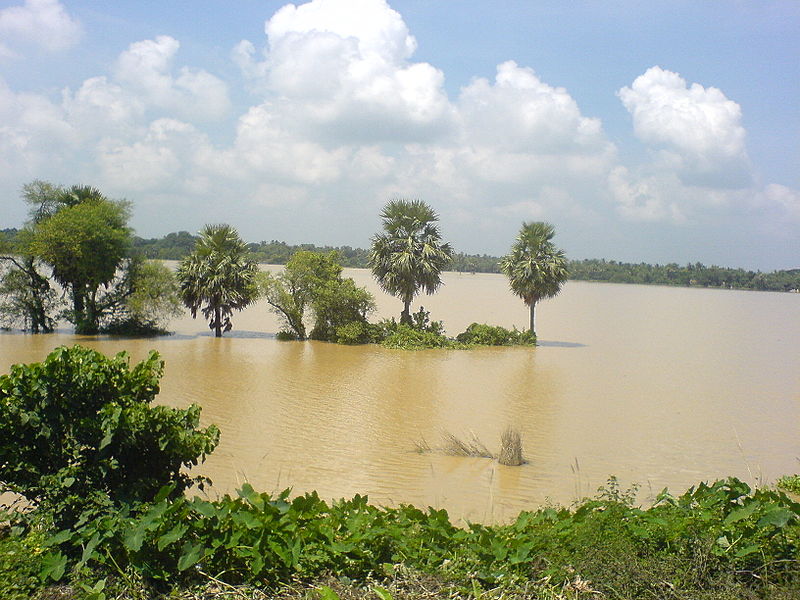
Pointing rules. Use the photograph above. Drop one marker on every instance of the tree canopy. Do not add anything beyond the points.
(218, 277)
(535, 268)
(409, 256)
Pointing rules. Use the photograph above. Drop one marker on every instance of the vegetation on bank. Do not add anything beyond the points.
(173, 246)
(107, 526)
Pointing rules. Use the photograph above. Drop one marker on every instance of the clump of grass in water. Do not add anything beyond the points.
(454, 446)
(510, 448)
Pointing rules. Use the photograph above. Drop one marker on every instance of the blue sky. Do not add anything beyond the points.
(657, 132)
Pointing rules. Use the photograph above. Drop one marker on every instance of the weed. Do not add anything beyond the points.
(510, 448)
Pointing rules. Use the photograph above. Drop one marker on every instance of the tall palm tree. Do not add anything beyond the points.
(409, 255)
(535, 268)
(218, 277)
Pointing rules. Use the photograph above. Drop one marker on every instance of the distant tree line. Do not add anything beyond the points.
(175, 246)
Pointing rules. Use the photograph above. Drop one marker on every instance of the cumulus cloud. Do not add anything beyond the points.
(697, 129)
(341, 71)
(146, 69)
(44, 23)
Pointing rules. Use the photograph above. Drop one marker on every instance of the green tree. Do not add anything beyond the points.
(218, 277)
(535, 268)
(313, 279)
(337, 304)
(142, 300)
(409, 256)
(78, 430)
(84, 242)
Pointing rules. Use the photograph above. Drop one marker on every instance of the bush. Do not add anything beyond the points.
(490, 335)
(790, 483)
(405, 337)
(77, 431)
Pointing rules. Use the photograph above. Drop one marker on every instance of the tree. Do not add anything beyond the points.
(84, 242)
(218, 277)
(142, 300)
(78, 431)
(313, 279)
(535, 268)
(409, 255)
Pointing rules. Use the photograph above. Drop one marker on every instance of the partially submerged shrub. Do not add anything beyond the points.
(455, 446)
(491, 335)
(405, 337)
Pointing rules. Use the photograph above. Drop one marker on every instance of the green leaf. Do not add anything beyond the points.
(778, 517)
(382, 593)
(172, 536)
(190, 555)
(747, 550)
(53, 566)
(326, 593)
(741, 513)
(133, 539)
(59, 538)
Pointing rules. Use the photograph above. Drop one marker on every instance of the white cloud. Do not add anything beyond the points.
(697, 130)
(340, 71)
(41, 22)
(145, 68)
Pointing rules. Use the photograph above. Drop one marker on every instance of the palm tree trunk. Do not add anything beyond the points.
(217, 323)
(405, 316)
(533, 320)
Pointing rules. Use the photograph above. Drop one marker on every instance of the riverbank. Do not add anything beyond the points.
(719, 541)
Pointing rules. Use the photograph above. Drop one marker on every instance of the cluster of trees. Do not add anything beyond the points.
(407, 257)
(73, 259)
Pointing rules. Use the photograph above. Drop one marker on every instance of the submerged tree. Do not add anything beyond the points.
(84, 242)
(218, 277)
(409, 255)
(535, 268)
(314, 280)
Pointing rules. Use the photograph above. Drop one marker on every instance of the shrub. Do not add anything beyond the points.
(490, 335)
(790, 483)
(77, 431)
(405, 337)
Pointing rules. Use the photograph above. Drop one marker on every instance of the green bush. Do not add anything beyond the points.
(490, 335)
(790, 483)
(77, 431)
(405, 337)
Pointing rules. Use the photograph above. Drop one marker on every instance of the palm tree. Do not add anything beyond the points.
(409, 255)
(218, 277)
(535, 268)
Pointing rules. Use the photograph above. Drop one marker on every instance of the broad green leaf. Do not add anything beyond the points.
(741, 513)
(172, 536)
(747, 550)
(777, 517)
(190, 555)
(53, 566)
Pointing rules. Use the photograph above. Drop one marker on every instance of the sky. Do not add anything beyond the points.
(644, 131)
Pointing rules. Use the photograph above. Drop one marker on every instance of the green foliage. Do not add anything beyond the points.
(148, 298)
(535, 268)
(339, 304)
(409, 255)
(314, 280)
(406, 337)
(790, 483)
(489, 335)
(20, 563)
(218, 277)
(723, 536)
(84, 243)
(77, 431)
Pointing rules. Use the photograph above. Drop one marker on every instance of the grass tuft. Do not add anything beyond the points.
(511, 448)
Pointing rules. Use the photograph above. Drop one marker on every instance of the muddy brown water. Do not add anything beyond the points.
(661, 387)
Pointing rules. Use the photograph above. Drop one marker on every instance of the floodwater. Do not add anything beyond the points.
(657, 386)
